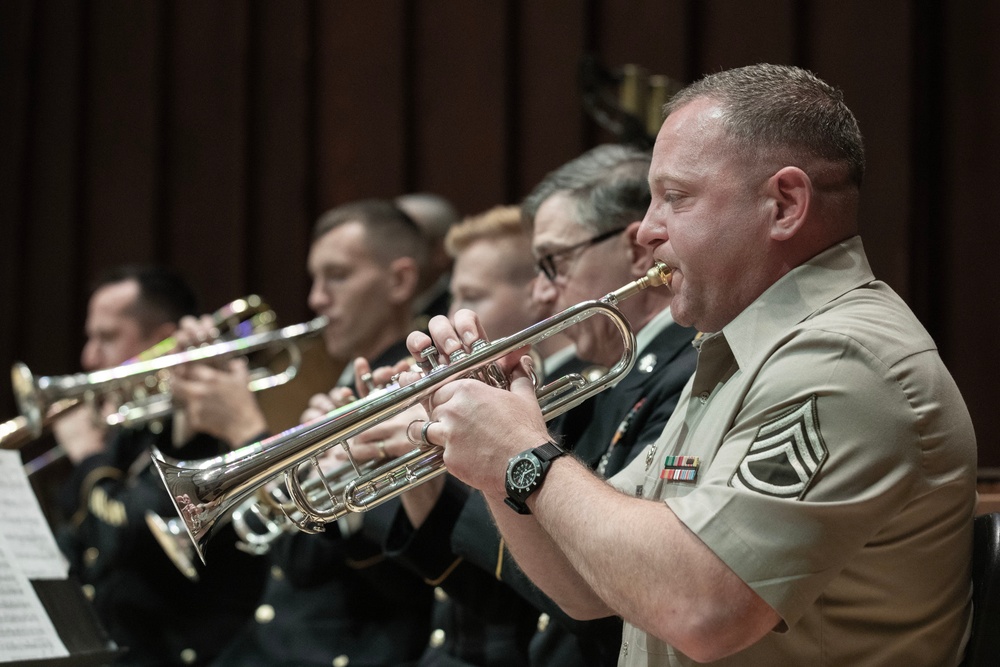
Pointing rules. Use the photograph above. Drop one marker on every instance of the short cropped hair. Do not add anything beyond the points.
(497, 222)
(389, 232)
(498, 225)
(164, 295)
(780, 111)
(609, 184)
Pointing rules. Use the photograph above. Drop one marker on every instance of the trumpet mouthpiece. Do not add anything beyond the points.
(658, 275)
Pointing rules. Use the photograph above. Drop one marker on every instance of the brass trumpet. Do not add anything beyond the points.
(205, 491)
(247, 327)
(45, 400)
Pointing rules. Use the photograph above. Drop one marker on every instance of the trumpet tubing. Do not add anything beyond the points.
(206, 491)
(267, 515)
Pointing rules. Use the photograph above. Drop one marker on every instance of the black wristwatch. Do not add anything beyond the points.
(525, 473)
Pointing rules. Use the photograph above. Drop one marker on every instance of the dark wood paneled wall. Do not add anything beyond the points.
(208, 135)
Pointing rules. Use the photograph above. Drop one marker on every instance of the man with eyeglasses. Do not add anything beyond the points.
(584, 217)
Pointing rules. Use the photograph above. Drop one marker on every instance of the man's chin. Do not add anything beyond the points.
(334, 346)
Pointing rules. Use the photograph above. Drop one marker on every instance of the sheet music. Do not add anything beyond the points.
(23, 525)
(26, 632)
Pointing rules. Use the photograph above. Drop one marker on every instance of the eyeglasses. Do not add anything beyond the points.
(547, 263)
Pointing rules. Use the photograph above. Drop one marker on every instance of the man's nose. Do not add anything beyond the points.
(652, 232)
(543, 290)
(318, 298)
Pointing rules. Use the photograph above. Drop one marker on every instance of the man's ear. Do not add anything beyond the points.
(640, 257)
(791, 190)
(404, 274)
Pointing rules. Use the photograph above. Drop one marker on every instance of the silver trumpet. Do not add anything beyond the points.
(204, 492)
(264, 516)
(257, 522)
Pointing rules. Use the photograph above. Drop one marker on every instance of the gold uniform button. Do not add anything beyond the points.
(264, 614)
(277, 573)
(88, 591)
(189, 656)
(90, 556)
(341, 661)
(440, 595)
(437, 638)
(543, 622)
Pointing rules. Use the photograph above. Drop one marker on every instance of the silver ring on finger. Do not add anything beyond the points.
(423, 433)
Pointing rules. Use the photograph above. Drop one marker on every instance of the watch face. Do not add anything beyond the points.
(523, 473)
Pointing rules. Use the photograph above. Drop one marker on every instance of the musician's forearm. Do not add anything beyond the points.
(545, 564)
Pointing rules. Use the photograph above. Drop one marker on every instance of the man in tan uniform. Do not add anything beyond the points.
(810, 502)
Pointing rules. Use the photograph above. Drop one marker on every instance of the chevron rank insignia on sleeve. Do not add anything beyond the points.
(785, 455)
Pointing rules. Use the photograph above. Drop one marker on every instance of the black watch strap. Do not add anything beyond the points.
(548, 451)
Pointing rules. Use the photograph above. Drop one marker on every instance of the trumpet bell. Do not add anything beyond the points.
(28, 395)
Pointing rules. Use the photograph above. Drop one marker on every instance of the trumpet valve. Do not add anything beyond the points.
(428, 359)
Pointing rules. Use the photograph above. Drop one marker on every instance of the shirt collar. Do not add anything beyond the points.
(795, 296)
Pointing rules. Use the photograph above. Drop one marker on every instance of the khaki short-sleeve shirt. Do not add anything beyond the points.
(824, 453)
